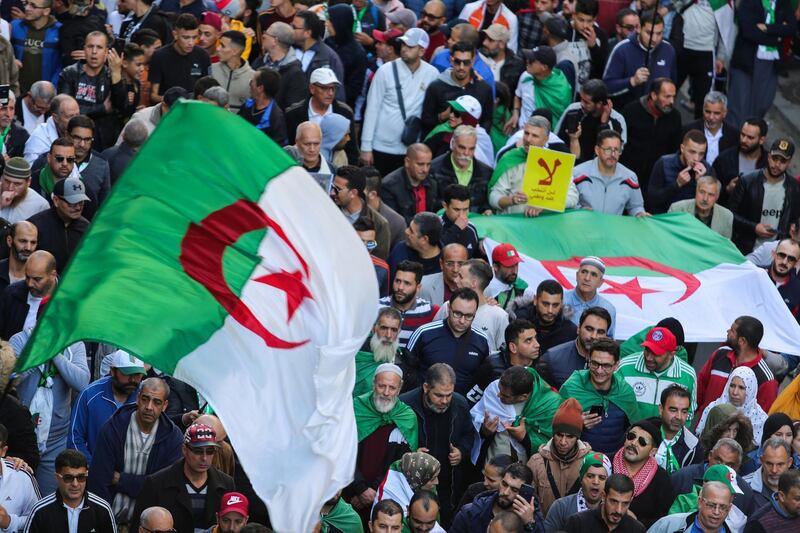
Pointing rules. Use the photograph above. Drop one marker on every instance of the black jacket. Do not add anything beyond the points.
(726, 167)
(592, 522)
(5, 277)
(749, 14)
(443, 89)
(50, 516)
(397, 193)
(648, 139)
(511, 70)
(118, 158)
(106, 124)
(154, 20)
(730, 135)
(56, 238)
(325, 56)
(297, 113)
(559, 332)
(746, 201)
(467, 237)
(167, 488)
(74, 29)
(294, 85)
(444, 174)
(461, 435)
(350, 51)
(21, 433)
(13, 309)
(15, 142)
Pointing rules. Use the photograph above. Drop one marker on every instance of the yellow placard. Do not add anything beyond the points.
(547, 177)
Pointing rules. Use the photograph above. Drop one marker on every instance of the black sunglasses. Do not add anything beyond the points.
(455, 112)
(632, 436)
(61, 158)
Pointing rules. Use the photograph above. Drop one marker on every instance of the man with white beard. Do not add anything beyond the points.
(383, 346)
(387, 428)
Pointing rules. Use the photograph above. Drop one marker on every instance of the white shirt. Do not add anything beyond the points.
(713, 144)
(30, 121)
(40, 140)
(30, 205)
(315, 117)
(33, 309)
(526, 93)
(305, 57)
(18, 494)
(72, 517)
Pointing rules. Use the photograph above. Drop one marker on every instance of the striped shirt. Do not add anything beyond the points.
(648, 386)
(420, 314)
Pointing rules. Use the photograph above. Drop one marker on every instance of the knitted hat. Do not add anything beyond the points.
(595, 459)
(595, 262)
(773, 423)
(17, 168)
(568, 418)
(725, 475)
(389, 367)
(419, 468)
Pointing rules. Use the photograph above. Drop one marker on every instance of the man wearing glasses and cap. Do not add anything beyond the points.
(192, 478)
(765, 202)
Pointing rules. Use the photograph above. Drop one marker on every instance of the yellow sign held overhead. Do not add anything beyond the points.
(547, 177)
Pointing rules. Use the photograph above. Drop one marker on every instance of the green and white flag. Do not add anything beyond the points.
(219, 262)
(666, 265)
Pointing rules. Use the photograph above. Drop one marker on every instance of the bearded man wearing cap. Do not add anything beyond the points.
(655, 368)
(652, 491)
(595, 469)
(505, 187)
(384, 122)
(589, 278)
(17, 200)
(192, 479)
(62, 227)
(558, 463)
(767, 201)
(276, 42)
(138, 440)
(387, 428)
(65, 375)
(506, 285)
(714, 506)
(101, 399)
(505, 64)
(458, 80)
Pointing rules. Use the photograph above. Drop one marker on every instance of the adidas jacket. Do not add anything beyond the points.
(50, 516)
(18, 494)
(648, 385)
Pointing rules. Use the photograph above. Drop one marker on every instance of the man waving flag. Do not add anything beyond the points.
(219, 262)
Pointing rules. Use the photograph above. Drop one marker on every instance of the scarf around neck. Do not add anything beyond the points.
(642, 478)
(368, 419)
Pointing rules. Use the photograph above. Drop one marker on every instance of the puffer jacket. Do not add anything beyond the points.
(564, 475)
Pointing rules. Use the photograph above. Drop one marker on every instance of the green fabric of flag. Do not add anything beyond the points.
(368, 419)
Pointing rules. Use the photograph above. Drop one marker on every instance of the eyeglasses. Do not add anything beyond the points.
(69, 479)
(721, 507)
(454, 264)
(610, 151)
(782, 255)
(638, 438)
(205, 450)
(61, 158)
(326, 88)
(465, 62)
(82, 139)
(426, 15)
(335, 188)
(459, 315)
(594, 365)
(171, 530)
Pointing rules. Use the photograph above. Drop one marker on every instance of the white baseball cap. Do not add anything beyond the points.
(126, 363)
(324, 76)
(416, 37)
(467, 104)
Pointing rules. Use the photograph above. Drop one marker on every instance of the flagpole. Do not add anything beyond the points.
(650, 40)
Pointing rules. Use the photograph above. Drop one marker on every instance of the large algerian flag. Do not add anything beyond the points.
(723, 13)
(219, 262)
(666, 265)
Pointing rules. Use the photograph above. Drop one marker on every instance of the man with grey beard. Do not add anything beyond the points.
(387, 428)
(382, 346)
(445, 429)
(21, 241)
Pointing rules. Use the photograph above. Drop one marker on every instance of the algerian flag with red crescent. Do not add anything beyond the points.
(656, 267)
(217, 260)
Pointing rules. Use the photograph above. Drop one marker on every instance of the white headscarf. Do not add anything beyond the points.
(749, 408)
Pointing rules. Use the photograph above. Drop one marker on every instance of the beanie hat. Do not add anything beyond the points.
(568, 418)
(17, 168)
(595, 459)
(774, 422)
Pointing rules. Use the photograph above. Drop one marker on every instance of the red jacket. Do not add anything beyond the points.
(712, 379)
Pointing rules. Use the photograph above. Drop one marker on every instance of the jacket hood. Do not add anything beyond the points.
(120, 420)
(583, 450)
(342, 18)
(445, 77)
(334, 128)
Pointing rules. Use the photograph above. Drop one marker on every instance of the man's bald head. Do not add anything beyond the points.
(156, 519)
(308, 129)
(40, 273)
(214, 423)
(42, 260)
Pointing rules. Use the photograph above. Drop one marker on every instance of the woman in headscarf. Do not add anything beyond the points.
(740, 391)
(777, 425)
(414, 471)
(788, 401)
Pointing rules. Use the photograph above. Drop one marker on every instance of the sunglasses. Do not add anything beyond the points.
(782, 255)
(465, 62)
(61, 158)
(69, 478)
(632, 436)
(426, 15)
(456, 113)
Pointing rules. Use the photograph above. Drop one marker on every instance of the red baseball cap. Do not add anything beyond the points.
(660, 341)
(234, 502)
(385, 36)
(506, 255)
